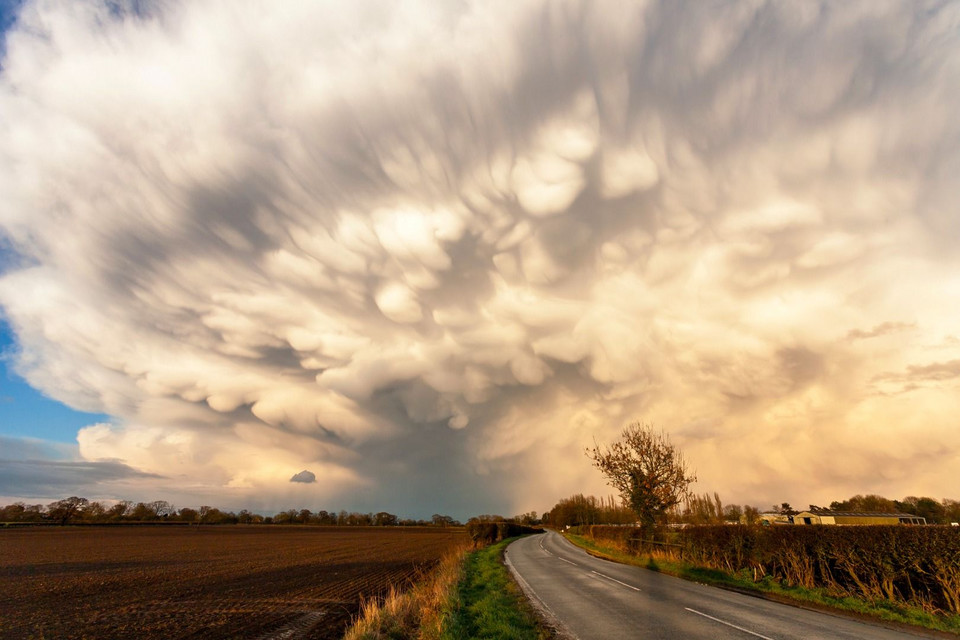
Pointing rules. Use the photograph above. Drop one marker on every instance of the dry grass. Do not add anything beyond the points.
(417, 613)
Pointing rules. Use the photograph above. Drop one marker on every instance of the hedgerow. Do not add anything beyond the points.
(487, 533)
(919, 565)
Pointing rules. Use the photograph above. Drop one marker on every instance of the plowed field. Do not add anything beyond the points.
(266, 582)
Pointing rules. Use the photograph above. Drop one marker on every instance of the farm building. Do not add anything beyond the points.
(828, 516)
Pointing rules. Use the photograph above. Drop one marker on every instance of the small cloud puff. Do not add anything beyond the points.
(304, 476)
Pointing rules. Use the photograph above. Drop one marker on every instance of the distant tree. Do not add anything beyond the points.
(750, 514)
(188, 515)
(487, 517)
(871, 503)
(286, 517)
(95, 512)
(924, 507)
(529, 518)
(360, 519)
(305, 516)
(143, 512)
(212, 515)
(440, 520)
(63, 511)
(705, 509)
(12, 512)
(162, 508)
(785, 509)
(732, 513)
(951, 510)
(580, 509)
(648, 471)
(119, 510)
(20, 512)
(384, 519)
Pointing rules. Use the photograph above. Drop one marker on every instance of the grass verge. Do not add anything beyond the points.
(489, 603)
(884, 610)
(470, 596)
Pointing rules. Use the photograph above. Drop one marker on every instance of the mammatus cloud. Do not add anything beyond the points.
(304, 476)
(431, 251)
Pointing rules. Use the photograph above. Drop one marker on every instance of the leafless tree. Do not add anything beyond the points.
(162, 508)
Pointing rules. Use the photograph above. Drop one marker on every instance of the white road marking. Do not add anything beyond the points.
(699, 613)
(567, 561)
(628, 586)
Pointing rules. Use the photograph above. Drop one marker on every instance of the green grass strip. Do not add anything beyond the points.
(881, 609)
(488, 604)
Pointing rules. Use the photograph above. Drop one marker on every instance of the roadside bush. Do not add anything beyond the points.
(487, 533)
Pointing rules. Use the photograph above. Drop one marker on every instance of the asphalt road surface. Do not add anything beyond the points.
(593, 599)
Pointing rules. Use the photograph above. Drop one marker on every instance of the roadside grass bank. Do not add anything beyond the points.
(489, 603)
(816, 598)
(419, 612)
(471, 595)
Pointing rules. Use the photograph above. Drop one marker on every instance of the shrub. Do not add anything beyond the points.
(487, 533)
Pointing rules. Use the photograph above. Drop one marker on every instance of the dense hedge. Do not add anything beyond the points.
(485, 533)
(919, 565)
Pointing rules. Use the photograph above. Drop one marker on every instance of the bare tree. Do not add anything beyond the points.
(162, 508)
(647, 470)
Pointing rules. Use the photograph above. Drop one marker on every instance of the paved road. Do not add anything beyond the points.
(596, 599)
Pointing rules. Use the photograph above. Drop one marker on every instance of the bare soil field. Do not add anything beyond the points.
(260, 582)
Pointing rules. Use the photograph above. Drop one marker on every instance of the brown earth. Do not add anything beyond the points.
(260, 582)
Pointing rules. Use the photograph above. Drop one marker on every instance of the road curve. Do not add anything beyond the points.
(593, 599)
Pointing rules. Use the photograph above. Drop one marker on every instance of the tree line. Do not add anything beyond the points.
(77, 510)
(580, 510)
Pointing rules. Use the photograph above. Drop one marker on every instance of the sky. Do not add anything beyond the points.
(430, 252)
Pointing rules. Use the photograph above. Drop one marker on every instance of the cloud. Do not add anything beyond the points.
(432, 251)
(915, 375)
(304, 476)
(883, 329)
(41, 469)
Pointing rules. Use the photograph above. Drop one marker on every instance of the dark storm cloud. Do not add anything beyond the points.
(36, 468)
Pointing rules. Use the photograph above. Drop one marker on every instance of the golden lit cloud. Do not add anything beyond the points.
(428, 252)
